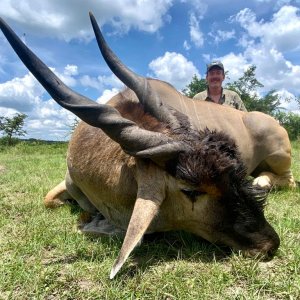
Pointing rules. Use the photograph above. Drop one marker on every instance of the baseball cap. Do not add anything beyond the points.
(213, 64)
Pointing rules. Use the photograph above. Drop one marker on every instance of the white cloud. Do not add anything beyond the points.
(56, 130)
(235, 64)
(288, 101)
(8, 112)
(49, 120)
(273, 70)
(25, 93)
(67, 75)
(278, 3)
(20, 93)
(67, 20)
(245, 41)
(207, 57)
(267, 43)
(46, 119)
(186, 45)
(196, 34)
(107, 95)
(199, 7)
(222, 36)
(71, 70)
(246, 17)
(101, 82)
(282, 32)
(174, 68)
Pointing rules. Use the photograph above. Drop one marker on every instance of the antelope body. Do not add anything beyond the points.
(154, 160)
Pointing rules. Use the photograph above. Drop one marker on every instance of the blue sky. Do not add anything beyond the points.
(168, 40)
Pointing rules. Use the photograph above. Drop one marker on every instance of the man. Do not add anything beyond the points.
(215, 75)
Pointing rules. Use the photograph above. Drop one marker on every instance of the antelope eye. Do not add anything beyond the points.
(192, 194)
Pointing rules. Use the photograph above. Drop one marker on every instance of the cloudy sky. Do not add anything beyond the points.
(167, 39)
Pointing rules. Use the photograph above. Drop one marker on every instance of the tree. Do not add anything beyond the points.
(196, 86)
(13, 126)
(298, 101)
(269, 104)
(246, 86)
(291, 122)
(74, 125)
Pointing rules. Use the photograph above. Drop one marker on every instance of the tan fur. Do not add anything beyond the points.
(263, 143)
(56, 196)
(268, 180)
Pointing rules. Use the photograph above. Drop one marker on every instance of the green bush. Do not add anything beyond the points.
(291, 122)
(8, 141)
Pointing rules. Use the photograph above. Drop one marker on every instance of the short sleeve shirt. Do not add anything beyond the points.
(228, 98)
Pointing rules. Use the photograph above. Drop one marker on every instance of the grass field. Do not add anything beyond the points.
(42, 255)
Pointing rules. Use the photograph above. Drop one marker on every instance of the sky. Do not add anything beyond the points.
(171, 40)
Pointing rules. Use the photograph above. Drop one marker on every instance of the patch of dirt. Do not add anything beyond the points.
(2, 169)
(85, 284)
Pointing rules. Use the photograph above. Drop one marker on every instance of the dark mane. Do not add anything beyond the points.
(214, 164)
(212, 155)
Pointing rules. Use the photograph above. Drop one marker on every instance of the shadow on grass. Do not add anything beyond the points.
(159, 248)
(156, 249)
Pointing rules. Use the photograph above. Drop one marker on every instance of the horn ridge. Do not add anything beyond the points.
(140, 85)
(128, 77)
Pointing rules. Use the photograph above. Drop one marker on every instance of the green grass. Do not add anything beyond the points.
(42, 255)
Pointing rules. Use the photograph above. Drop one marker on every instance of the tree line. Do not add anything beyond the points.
(246, 86)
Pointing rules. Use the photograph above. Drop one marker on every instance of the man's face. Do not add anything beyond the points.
(215, 77)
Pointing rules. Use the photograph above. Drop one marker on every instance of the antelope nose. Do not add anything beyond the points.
(271, 248)
(264, 251)
(270, 244)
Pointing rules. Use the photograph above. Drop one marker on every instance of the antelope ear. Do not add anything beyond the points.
(162, 153)
(149, 198)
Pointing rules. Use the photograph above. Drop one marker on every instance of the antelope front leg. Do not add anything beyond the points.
(267, 180)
